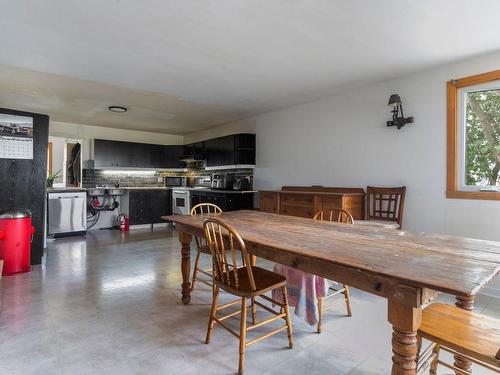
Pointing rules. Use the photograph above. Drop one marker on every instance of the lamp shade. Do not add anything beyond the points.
(394, 100)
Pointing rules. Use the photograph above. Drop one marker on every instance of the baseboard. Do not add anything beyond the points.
(491, 292)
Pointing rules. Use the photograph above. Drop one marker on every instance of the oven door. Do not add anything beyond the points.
(180, 202)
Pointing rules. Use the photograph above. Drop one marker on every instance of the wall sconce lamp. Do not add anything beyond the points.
(398, 118)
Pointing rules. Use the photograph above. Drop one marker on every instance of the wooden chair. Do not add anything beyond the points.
(201, 244)
(460, 332)
(244, 281)
(341, 216)
(385, 204)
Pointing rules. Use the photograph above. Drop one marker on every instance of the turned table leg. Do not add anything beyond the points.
(405, 321)
(466, 303)
(185, 240)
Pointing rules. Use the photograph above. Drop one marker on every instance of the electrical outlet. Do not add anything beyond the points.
(160, 179)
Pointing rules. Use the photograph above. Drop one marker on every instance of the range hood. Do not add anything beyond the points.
(193, 152)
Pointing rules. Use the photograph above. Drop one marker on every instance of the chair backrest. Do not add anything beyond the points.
(225, 244)
(385, 203)
(200, 209)
(335, 214)
(205, 208)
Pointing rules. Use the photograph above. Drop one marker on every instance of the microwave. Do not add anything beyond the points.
(173, 181)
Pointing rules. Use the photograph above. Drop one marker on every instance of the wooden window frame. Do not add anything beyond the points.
(452, 190)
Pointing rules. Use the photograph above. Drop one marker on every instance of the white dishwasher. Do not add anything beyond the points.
(67, 212)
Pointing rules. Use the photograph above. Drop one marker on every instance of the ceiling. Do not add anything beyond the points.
(183, 66)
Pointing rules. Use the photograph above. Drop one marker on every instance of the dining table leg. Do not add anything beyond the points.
(405, 321)
(466, 303)
(185, 240)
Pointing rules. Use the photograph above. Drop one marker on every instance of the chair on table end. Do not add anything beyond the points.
(473, 337)
(385, 204)
(201, 244)
(235, 274)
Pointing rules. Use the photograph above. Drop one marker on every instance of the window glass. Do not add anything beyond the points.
(481, 136)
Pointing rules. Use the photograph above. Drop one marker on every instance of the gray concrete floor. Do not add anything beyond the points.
(109, 304)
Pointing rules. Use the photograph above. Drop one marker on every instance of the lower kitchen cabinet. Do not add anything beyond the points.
(147, 206)
(226, 201)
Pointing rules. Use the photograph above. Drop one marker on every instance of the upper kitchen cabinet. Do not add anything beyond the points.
(230, 151)
(116, 154)
(112, 153)
(173, 154)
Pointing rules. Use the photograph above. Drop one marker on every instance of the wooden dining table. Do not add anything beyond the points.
(407, 268)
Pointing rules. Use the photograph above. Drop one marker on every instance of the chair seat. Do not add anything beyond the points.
(475, 335)
(264, 281)
(379, 223)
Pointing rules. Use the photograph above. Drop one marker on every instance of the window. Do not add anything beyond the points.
(474, 137)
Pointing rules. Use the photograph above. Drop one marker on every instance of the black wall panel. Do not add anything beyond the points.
(23, 182)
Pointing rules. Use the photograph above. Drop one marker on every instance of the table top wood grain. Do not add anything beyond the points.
(454, 265)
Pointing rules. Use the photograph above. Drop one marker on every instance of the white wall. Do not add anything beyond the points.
(58, 158)
(87, 132)
(343, 141)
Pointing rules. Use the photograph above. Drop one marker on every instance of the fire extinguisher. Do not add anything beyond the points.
(124, 224)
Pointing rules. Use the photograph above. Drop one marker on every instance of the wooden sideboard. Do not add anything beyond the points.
(305, 201)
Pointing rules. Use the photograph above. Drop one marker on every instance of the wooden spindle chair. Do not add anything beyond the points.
(341, 216)
(463, 333)
(235, 274)
(201, 244)
(385, 204)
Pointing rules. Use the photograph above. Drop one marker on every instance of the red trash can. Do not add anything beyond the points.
(16, 234)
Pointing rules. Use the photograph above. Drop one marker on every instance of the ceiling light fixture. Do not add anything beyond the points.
(117, 109)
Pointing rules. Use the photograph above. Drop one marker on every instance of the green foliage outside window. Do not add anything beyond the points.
(483, 138)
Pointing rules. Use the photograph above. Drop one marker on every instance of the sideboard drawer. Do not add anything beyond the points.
(297, 199)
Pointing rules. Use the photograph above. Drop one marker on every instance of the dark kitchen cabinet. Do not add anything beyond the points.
(173, 154)
(104, 153)
(136, 155)
(227, 201)
(230, 150)
(147, 206)
(120, 154)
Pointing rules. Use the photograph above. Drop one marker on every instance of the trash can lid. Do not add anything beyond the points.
(15, 214)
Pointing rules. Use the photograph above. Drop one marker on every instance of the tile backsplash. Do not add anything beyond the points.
(143, 178)
(122, 177)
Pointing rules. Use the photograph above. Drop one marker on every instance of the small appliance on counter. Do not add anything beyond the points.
(175, 181)
(242, 183)
(222, 181)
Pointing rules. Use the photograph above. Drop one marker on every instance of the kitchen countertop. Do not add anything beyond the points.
(72, 189)
(65, 189)
(143, 188)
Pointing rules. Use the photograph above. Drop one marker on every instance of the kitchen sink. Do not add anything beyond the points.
(96, 192)
(115, 192)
